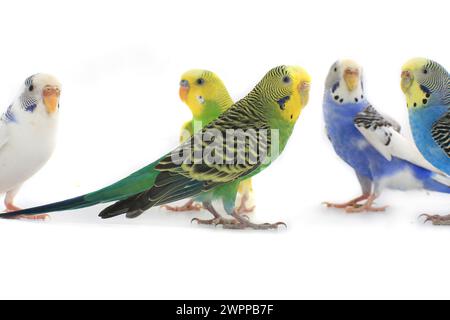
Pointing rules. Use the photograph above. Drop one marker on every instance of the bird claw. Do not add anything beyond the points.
(263, 226)
(267, 226)
(281, 224)
(426, 216)
(436, 220)
(197, 220)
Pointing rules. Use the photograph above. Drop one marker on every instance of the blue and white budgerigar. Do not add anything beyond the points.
(27, 135)
(426, 85)
(371, 143)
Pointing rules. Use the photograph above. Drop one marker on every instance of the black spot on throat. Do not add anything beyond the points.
(282, 102)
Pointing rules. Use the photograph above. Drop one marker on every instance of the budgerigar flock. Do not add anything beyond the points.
(239, 144)
(426, 85)
(207, 97)
(27, 135)
(226, 144)
(371, 143)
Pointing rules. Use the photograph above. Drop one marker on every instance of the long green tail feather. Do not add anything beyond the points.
(136, 183)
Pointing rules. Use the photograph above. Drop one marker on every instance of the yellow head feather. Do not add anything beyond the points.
(200, 86)
(415, 96)
(301, 83)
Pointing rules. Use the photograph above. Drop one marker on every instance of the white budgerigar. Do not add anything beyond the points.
(27, 134)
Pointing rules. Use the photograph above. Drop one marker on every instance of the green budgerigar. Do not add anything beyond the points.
(209, 166)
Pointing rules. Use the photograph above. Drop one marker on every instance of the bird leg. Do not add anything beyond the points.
(351, 203)
(437, 220)
(242, 209)
(366, 207)
(189, 206)
(217, 220)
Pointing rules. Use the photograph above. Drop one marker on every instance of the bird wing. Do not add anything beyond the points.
(441, 133)
(383, 134)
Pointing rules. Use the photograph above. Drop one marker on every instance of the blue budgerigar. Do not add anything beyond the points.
(371, 143)
(426, 85)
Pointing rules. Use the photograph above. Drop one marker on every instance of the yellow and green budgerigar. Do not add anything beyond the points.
(207, 97)
(210, 165)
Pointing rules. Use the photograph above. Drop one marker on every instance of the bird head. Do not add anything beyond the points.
(286, 90)
(199, 89)
(345, 82)
(425, 83)
(41, 91)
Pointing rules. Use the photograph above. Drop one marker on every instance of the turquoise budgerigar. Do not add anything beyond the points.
(371, 143)
(426, 85)
(211, 164)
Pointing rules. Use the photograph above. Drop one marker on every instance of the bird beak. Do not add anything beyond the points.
(351, 77)
(184, 90)
(303, 89)
(407, 80)
(51, 98)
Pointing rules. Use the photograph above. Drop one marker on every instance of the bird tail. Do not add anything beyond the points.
(70, 204)
(438, 182)
(123, 189)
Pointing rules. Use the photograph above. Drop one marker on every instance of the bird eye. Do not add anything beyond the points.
(200, 81)
(425, 71)
(31, 88)
(286, 80)
(335, 69)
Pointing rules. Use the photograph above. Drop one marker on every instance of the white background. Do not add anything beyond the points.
(120, 63)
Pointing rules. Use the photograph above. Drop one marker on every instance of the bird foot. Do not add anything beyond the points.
(255, 226)
(339, 205)
(35, 217)
(239, 223)
(190, 206)
(245, 223)
(216, 221)
(351, 203)
(437, 220)
(365, 208)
